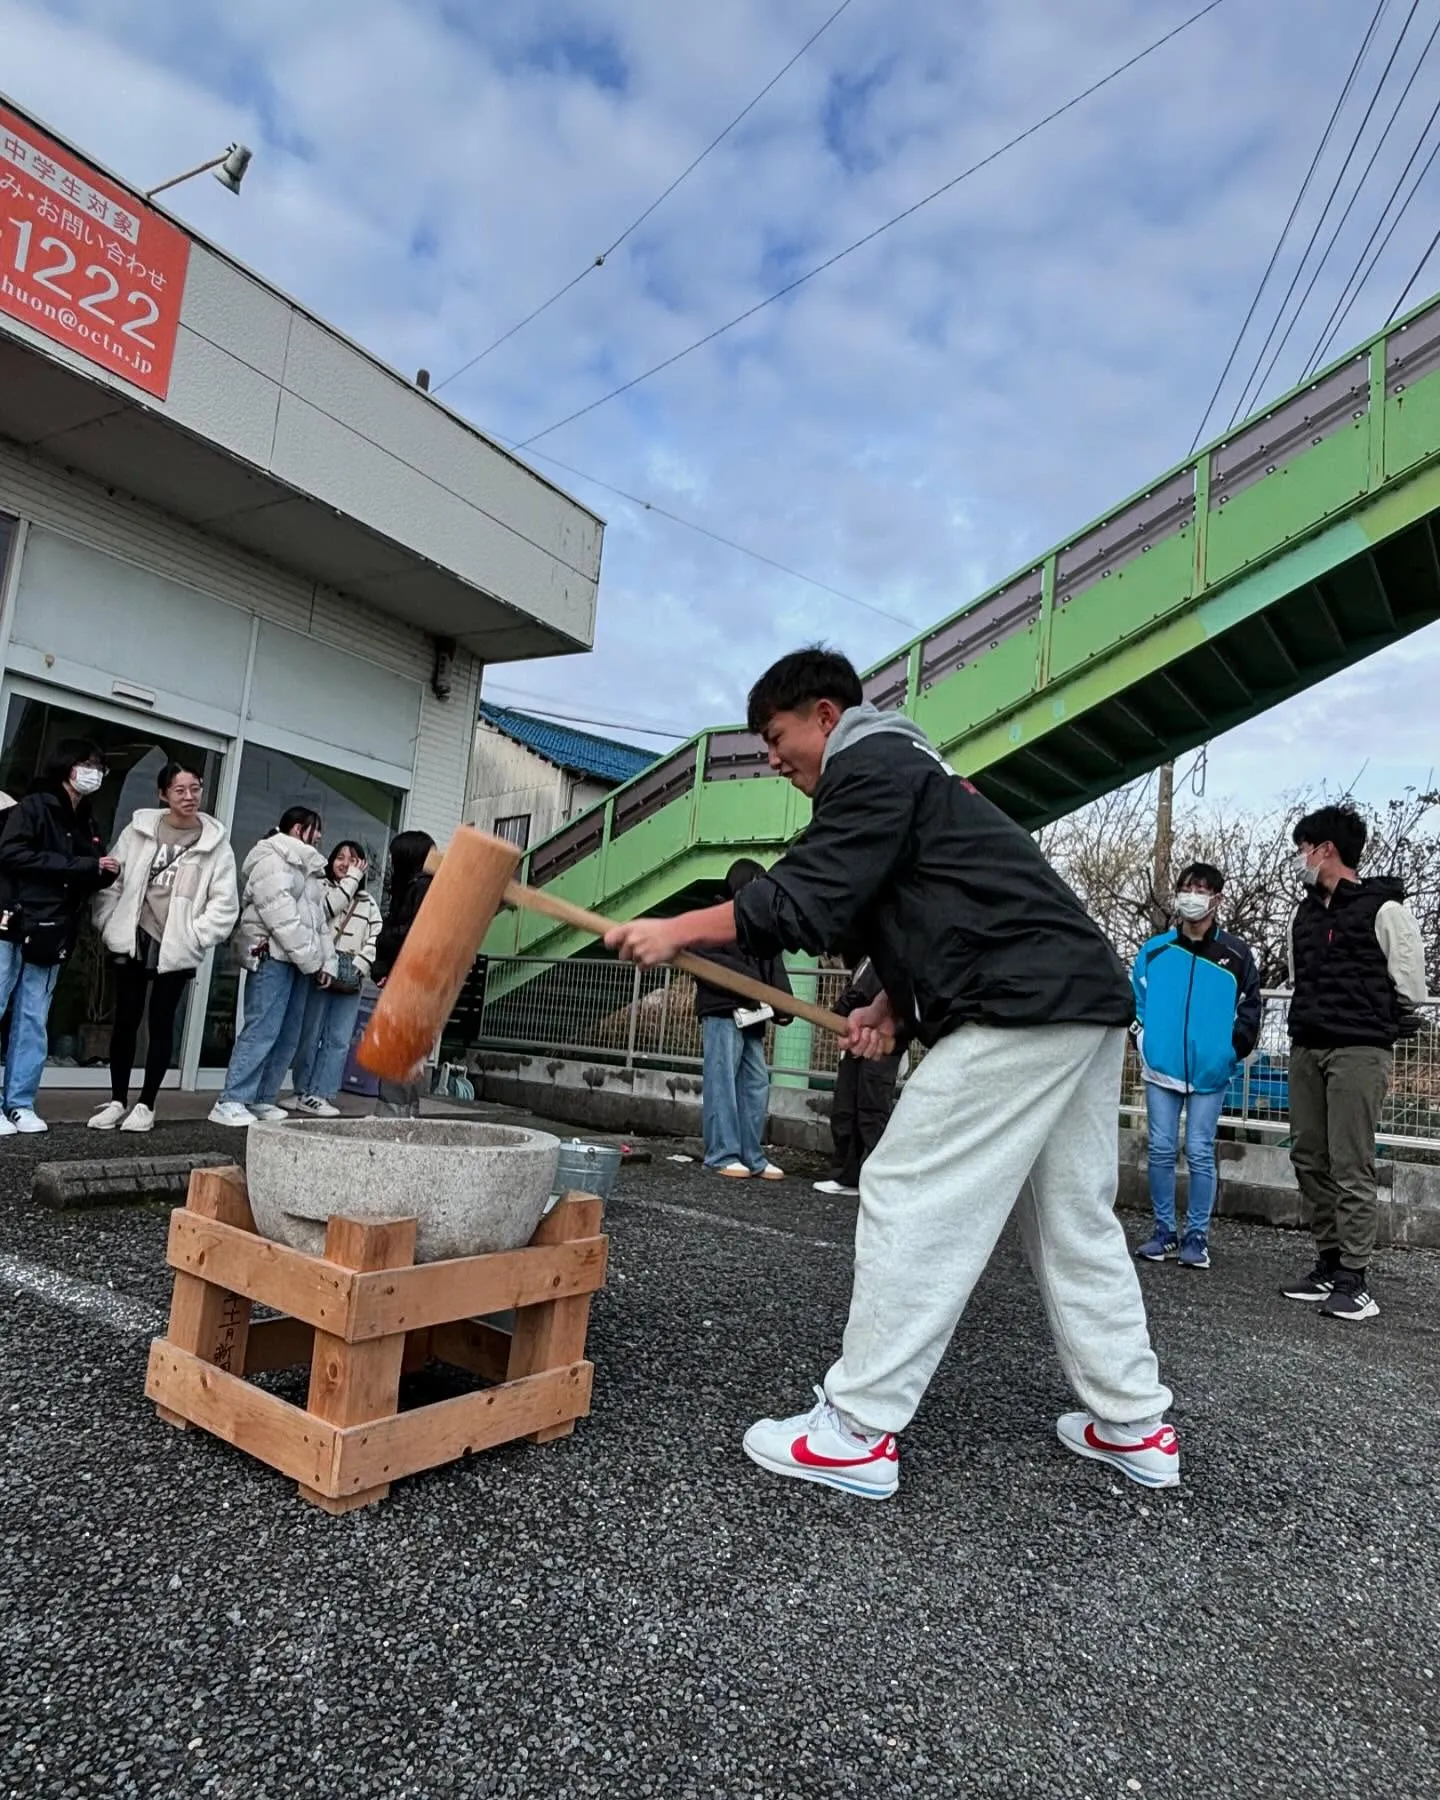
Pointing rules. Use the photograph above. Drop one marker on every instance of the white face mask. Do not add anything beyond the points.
(86, 780)
(1193, 907)
(1303, 872)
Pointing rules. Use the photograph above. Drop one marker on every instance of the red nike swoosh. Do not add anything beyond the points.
(1164, 1440)
(887, 1450)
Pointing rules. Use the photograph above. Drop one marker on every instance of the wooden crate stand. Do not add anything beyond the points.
(361, 1315)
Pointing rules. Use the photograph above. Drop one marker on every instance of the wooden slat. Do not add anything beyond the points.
(278, 1344)
(552, 1335)
(369, 1455)
(205, 1319)
(475, 1346)
(303, 1287)
(438, 1292)
(351, 1383)
(279, 1434)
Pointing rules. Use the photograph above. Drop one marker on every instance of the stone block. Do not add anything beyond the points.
(118, 1180)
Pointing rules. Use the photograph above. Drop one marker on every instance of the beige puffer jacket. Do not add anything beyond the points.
(283, 887)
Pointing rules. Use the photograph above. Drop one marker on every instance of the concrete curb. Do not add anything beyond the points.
(118, 1180)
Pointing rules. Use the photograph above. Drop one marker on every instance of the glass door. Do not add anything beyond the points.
(135, 747)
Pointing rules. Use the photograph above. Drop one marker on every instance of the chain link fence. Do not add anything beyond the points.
(614, 1012)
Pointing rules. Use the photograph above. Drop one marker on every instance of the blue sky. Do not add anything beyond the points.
(909, 427)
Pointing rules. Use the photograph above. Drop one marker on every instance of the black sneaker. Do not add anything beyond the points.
(1349, 1298)
(1316, 1285)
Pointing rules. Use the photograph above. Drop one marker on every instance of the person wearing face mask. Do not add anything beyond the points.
(52, 861)
(283, 936)
(176, 898)
(1197, 1015)
(1357, 971)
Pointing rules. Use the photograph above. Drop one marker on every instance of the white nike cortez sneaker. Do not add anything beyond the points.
(108, 1117)
(819, 1446)
(1148, 1453)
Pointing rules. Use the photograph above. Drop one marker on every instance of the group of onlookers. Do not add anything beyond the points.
(305, 931)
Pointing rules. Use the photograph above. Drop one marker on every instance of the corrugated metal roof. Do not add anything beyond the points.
(580, 751)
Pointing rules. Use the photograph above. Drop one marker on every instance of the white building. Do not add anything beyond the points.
(226, 529)
(529, 776)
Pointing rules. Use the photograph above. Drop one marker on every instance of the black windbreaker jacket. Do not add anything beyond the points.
(963, 917)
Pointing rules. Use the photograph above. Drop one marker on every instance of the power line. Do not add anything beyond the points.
(1294, 212)
(1241, 403)
(1380, 143)
(1343, 306)
(659, 200)
(870, 236)
(1399, 306)
(729, 543)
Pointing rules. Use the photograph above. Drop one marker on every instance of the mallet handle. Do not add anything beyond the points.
(537, 900)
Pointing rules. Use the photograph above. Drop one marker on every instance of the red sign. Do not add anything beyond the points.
(83, 263)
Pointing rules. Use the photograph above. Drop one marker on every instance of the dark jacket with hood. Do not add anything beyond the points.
(1356, 964)
(719, 1003)
(50, 854)
(962, 916)
(395, 926)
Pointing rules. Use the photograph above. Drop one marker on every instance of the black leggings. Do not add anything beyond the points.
(166, 993)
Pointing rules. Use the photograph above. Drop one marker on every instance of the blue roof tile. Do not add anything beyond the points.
(580, 751)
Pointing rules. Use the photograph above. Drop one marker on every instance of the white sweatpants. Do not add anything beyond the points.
(989, 1120)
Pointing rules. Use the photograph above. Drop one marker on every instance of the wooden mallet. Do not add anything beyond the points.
(471, 881)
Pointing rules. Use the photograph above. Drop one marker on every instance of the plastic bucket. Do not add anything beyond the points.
(586, 1168)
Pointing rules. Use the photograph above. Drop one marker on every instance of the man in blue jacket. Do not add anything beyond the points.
(1197, 1014)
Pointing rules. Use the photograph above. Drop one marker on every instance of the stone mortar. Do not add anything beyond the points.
(472, 1188)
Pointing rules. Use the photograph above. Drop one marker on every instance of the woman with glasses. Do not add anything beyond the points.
(175, 900)
(52, 862)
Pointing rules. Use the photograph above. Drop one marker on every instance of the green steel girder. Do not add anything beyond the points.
(1294, 547)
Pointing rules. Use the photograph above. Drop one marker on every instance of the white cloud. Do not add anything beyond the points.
(911, 425)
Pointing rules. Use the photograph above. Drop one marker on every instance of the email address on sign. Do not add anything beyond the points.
(71, 321)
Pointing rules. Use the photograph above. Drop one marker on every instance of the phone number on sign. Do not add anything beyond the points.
(48, 264)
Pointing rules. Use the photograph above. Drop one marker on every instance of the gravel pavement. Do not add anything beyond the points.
(638, 1611)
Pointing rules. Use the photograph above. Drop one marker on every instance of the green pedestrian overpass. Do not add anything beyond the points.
(1302, 542)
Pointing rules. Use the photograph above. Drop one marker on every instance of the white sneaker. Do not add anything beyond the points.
(271, 1115)
(316, 1107)
(836, 1187)
(26, 1119)
(817, 1446)
(141, 1119)
(772, 1172)
(734, 1172)
(231, 1112)
(6, 1128)
(108, 1117)
(1150, 1456)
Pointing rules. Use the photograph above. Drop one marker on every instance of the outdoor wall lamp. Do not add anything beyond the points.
(229, 168)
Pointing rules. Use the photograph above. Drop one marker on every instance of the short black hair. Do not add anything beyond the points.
(68, 754)
(354, 849)
(1341, 826)
(1202, 872)
(185, 765)
(299, 818)
(741, 873)
(800, 679)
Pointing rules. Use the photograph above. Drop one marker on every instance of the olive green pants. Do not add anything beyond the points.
(1335, 1101)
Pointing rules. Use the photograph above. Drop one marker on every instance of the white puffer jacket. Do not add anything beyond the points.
(283, 893)
(204, 904)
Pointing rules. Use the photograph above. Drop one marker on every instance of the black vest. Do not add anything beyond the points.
(1343, 991)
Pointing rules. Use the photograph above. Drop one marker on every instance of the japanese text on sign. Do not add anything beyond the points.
(83, 263)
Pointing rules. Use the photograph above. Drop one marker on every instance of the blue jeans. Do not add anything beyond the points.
(27, 990)
(325, 1033)
(1202, 1116)
(275, 995)
(735, 1096)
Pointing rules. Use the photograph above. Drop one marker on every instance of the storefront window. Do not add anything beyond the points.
(135, 751)
(270, 783)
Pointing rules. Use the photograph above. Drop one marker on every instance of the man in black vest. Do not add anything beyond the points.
(1357, 968)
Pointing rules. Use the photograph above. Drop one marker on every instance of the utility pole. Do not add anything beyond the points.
(1164, 847)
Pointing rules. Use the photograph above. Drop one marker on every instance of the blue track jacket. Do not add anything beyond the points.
(1197, 1009)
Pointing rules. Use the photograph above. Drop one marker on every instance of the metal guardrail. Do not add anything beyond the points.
(645, 1018)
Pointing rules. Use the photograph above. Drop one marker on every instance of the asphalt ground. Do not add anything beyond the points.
(637, 1610)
